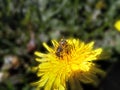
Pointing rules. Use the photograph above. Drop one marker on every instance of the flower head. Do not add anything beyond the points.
(117, 25)
(68, 62)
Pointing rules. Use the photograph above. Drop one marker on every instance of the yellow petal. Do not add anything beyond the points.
(47, 47)
(37, 53)
(55, 43)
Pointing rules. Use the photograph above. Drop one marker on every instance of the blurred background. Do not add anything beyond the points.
(25, 24)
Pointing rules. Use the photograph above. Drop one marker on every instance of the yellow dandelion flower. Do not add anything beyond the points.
(117, 25)
(70, 62)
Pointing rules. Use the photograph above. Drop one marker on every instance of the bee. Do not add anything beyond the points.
(61, 47)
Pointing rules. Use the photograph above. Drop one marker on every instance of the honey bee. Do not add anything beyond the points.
(61, 47)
